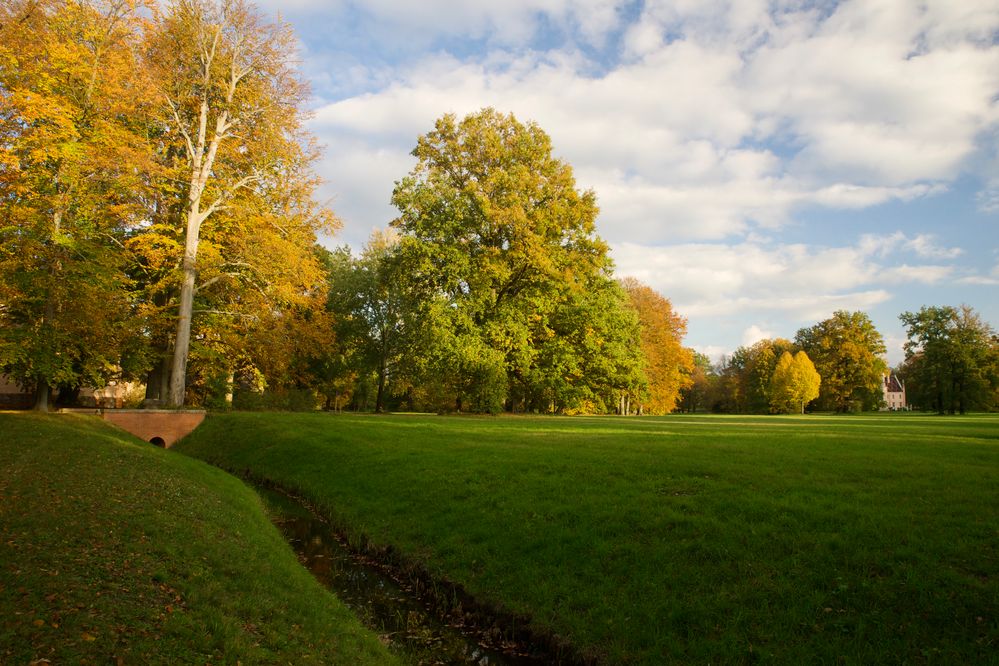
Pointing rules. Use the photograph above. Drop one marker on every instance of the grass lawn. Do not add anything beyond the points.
(862, 539)
(114, 551)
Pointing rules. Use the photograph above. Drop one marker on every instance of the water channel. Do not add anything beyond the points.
(407, 623)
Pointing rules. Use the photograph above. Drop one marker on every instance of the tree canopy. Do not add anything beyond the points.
(496, 234)
(157, 193)
(952, 360)
(848, 353)
(73, 157)
(667, 363)
(794, 383)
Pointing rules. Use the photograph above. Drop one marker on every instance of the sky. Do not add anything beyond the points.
(761, 163)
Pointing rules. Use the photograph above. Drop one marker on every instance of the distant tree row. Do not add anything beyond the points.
(951, 365)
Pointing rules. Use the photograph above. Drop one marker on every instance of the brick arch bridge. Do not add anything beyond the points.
(162, 427)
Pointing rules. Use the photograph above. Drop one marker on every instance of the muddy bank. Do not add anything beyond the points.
(427, 619)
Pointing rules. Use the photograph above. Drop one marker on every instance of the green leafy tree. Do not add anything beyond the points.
(952, 360)
(848, 353)
(794, 384)
(369, 301)
(703, 380)
(500, 245)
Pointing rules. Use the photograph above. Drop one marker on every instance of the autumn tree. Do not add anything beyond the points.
(74, 168)
(502, 244)
(744, 384)
(952, 359)
(848, 353)
(232, 102)
(702, 384)
(667, 363)
(794, 384)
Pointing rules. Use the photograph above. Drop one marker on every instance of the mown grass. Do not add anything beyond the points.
(114, 551)
(681, 539)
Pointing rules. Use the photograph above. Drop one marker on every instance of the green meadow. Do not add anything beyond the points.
(115, 552)
(688, 539)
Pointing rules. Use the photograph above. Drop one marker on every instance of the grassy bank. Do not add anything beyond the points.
(691, 539)
(114, 551)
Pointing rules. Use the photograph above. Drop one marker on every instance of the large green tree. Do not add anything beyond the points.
(501, 244)
(847, 351)
(952, 360)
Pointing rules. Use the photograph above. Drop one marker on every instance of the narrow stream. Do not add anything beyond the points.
(400, 618)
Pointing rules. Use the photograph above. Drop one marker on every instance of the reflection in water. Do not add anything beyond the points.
(396, 614)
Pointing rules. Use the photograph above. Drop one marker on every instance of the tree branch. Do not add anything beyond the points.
(227, 313)
(180, 126)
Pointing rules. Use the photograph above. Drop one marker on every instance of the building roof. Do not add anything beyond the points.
(893, 385)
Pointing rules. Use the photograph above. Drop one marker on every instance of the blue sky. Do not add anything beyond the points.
(761, 163)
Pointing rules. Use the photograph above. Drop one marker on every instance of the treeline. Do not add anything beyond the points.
(159, 223)
(491, 292)
(951, 366)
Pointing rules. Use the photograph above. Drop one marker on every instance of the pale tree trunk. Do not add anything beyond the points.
(178, 369)
(202, 152)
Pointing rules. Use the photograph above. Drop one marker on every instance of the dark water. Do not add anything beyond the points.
(406, 623)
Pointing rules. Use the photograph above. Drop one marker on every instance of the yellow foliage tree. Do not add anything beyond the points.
(242, 224)
(794, 384)
(74, 156)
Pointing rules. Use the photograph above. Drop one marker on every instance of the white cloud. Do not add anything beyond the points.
(905, 274)
(922, 245)
(713, 352)
(877, 102)
(717, 125)
(982, 280)
(798, 282)
(754, 334)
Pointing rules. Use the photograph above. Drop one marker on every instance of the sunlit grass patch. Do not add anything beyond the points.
(687, 538)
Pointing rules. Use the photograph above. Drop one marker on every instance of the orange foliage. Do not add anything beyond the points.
(668, 363)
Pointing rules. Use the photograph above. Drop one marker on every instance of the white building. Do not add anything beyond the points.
(893, 391)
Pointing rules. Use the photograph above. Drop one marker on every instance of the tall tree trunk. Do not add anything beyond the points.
(382, 372)
(380, 396)
(158, 378)
(178, 368)
(42, 396)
